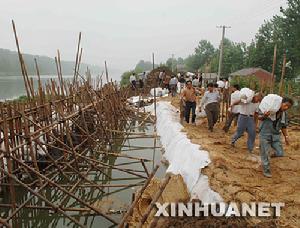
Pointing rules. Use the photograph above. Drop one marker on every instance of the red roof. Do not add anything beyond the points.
(260, 74)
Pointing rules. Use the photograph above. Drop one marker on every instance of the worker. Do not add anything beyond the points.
(233, 112)
(132, 80)
(161, 77)
(211, 103)
(142, 80)
(189, 98)
(269, 133)
(173, 85)
(166, 82)
(182, 82)
(195, 82)
(246, 121)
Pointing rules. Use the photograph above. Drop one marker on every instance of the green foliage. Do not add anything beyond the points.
(202, 55)
(125, 78)
(142, 66)
(249, 82)
(284, 31)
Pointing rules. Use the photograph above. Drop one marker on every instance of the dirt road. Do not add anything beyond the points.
(238, 177)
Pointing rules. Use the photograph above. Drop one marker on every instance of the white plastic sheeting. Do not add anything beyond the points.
(159, 92)
(185, 158)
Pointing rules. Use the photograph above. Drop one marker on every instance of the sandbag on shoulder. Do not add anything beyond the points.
(270, 103)
(246, 95)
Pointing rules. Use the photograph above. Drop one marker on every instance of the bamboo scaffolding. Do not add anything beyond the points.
(60, 144)
(154, 200)
(138, 196)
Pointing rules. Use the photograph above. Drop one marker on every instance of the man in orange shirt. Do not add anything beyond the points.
(189, 97)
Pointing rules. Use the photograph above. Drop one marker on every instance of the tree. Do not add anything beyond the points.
(203, 54)
(142, 66)
(290, 31)
(171, 63)
(125, 78)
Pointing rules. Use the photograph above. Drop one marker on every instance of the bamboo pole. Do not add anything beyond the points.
(26, 82)
(273, 69)
(61, 189)
(138, 196)
(40, 87)
(154, 200)
(281, 85)
(77, 59)
(42, 197)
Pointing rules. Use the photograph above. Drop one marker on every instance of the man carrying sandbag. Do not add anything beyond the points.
(273, 122)
(246, 120)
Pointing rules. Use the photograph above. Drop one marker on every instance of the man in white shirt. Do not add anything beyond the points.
(234, 111)
(246, 121)
(132, 80)
(161, 77)
(226, 86)
(211, 101)
(173, 85)
(221, 84)
(195, 82)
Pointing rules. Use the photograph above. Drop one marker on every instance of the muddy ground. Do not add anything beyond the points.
(238, 177)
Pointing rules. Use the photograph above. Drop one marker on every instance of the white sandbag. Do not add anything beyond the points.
(133, 100)
(221, 84)
(200, 112)
(246, 95)
(165, 92)
(184, 157)
(159, 92)
(190, 74)
(270, 103)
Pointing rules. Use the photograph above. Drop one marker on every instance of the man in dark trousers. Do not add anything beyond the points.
(189, 97)
(233, 112)
(270, 133)
(211, 104)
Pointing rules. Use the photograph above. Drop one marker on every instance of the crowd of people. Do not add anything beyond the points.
(246, 114)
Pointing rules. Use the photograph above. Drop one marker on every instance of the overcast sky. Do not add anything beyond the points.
(125, 31)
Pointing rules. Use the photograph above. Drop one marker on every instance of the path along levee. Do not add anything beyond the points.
(222, 172)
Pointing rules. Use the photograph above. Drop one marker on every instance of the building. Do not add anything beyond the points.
(261, 74)
(209, 77)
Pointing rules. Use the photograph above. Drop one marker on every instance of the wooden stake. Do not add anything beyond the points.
(281, 85)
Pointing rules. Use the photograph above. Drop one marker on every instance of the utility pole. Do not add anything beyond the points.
(153, 65)
(172, 62)
(221, 50)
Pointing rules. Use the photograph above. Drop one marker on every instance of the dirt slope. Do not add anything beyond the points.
(237, 177)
